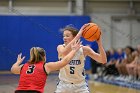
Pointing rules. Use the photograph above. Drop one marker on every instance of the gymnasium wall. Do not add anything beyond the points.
(116, 33)
(20, 33)
(100, 11)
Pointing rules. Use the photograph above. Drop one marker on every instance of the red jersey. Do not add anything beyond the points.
(32, 77)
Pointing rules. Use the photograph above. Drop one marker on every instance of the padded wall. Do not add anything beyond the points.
(20, 33)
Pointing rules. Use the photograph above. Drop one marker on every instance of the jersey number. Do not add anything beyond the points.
(72, 70)
(30, 69)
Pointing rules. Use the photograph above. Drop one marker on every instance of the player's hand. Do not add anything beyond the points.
(82, 29)
(76, 45)
(99, 40)
(20, 59)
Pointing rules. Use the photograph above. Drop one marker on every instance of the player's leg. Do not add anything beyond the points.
(81, 88)
(63, 87)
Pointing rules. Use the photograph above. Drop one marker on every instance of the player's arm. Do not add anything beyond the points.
(67, 49)
(16, 67)
(135, 60)
(53, 66)
(99, 57)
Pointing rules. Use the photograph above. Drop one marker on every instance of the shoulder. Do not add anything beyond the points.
(26, 64)
(46, 69)
(60, 46)
(86, 50)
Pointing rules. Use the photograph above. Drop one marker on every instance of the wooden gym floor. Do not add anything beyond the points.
(8, 83)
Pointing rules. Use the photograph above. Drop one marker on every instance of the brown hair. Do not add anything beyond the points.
(70, 28)
(37, 54)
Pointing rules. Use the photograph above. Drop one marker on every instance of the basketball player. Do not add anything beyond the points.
(33, 74)
(72, 76)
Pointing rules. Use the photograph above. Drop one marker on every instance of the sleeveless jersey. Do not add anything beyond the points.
(32, 77)
(74, 72)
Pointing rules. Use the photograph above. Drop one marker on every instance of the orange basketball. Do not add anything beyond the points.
(91, 32)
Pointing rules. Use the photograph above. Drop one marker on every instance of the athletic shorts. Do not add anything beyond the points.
(26, 91)
(64, 87)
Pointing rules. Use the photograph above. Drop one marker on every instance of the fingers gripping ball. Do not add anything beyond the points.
(91, 32)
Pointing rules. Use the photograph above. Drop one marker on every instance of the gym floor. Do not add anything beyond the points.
(8, 83)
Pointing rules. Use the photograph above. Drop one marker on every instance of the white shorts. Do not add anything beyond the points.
(64, 87)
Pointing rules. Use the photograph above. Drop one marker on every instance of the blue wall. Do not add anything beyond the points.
(20, 33)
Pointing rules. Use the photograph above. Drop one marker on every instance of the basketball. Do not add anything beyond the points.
(91, 32)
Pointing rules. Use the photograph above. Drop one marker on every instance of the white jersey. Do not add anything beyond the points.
(74, 72)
